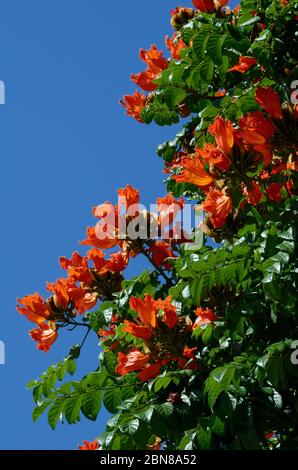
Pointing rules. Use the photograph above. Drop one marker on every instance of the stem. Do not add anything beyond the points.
(67, 322)
(158, 269)
(85, 337)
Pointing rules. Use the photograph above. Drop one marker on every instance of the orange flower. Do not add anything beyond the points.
(156, 64)
(160, 252)
(86, 303)
(254, 194)
(244, 64)
(219, 206)
(133, 361)
(87, 445)
(193, 172)
(274, 192)
(117, 262)
(209, 5)
(149, 372)
(60, 290)
(188, 359)
(109, 241)
(168, 208)
(144, 80)
(76, 261)
(223, 132)
(255, 128)
(170, 317)
(97, 256)
(270, 102)
(146, 310)
(175, 44)
(131, 195)
(213, 156)
(80, 274)
(154, 59)
(45, 336)
(106, 211)
(266, 151)
(205, 316)
(134, 104)
(34, 308)
(137, 330)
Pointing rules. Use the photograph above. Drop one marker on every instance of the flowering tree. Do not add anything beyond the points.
(197, 351)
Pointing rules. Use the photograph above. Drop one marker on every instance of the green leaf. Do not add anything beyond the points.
(55, 412)
(39, 410)
(204, 438)
(91, 404)
(165, 410)
(162, 383)
(71, 366)
(72, 408)
(174, 96)
(199, 44)
(112, 397)
(133, 426)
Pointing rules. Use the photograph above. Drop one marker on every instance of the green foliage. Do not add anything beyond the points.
(245, 385)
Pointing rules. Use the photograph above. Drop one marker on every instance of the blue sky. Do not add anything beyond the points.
(65, 145)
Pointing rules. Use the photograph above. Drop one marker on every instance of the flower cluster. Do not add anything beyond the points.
(242, 164)
(96, 276)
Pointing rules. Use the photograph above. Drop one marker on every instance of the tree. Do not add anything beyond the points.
(198, 352)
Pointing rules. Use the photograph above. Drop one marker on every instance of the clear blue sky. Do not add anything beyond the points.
(65, 145)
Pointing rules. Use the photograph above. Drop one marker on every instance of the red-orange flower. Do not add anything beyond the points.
(106, 211)
(254, 194)
(60, 290)
(266, 151)
(270, 102)
(244, 64)
(156, 64)
(34, 308)
(76, 261)
(131, 195)
(154, 59)
(97, 256)
(219, 206)
(137, 330)
(255, 128)
(117, 262)
(204, 317)
(274, 192)
(209, 5)
(223, 132)
(144, 80)
(86, 303)
(193, 172)
(146, 310)
(133, 361)
(134, 104)
(87, 445)
(104, 242)
(45, 336)
(175, 45)
(149, 372)
(170, 317)
(160, 252)
(168, 208)
(188, 359)
(213, 156)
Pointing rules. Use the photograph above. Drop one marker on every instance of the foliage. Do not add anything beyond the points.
(196, 353)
